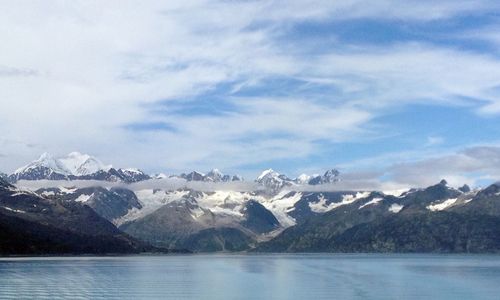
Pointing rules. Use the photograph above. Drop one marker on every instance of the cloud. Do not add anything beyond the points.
(167, 184)
(90, 76)
(470, 166)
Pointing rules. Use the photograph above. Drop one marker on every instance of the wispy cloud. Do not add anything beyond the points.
(120, 80)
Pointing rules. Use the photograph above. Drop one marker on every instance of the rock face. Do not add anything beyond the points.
(258, 219)
(30, 224)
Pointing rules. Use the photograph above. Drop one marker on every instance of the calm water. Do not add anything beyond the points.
(253, 277)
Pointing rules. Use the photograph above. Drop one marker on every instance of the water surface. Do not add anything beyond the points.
(311, 276)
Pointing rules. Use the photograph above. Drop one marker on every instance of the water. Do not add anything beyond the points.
(253, 277)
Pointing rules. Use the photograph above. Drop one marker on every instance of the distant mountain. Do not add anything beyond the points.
(31, 224)
(78, 166)
(213, 176)
(114, 175)
(75, 166)
(273, 180)
(330, 176)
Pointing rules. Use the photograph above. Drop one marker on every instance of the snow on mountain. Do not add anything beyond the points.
(273, 180)
(395, 208)
(45, 161)
(82, 164)
(303, 179)
(330, 176)
(132, 175)
(212, 176)
(322, 207)
(150, 201)
(281, 205)
(74, 166)
(374, 201)
(442, 205)
(276, 181)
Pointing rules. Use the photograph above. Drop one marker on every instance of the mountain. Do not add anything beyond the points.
(212, 176)
(114, 175)
(303, 179)
(110, 204)
(45, 167)
(82, 164)
(273, 180)
(223, 220)
(31, 224)
(75, 166)
(78, 166)
(330, 176)
(435, 219)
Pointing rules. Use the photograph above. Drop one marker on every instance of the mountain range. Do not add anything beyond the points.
(77, 166)
(280, 218)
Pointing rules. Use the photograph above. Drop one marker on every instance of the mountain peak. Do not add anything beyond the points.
(73, 166)
(82, 164)
(45, 161)
(303, 179)
(273, 180)
(266, 173)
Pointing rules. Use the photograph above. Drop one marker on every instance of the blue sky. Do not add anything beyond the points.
(385, 87)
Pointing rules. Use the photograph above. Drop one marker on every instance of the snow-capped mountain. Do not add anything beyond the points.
(273, 180)
(78, 166)
(82, 164)
(303, 179)
(212, 176)
(45, 167)
(73, 167)
(330, 176)
(75, 164)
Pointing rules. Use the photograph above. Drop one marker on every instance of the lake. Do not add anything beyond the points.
(235, 276)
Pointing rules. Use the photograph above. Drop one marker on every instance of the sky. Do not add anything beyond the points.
(402, 92)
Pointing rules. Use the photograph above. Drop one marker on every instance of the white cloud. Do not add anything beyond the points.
(470, 166)
(72, 75)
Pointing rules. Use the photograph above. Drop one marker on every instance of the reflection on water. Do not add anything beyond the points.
(253, 277)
